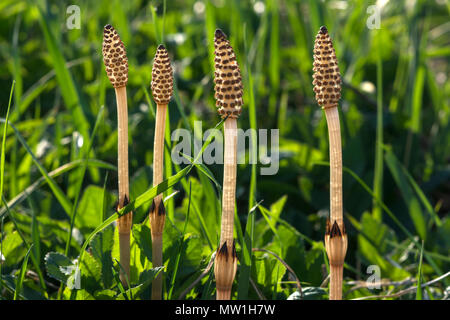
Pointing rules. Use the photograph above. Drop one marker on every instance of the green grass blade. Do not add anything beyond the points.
(17, 101)
(151, 105)
(81, 179)
(59, 194)
(22, 274)
(53, 174)
(416, 119)
(104, 207)
(246, 256)
(210, 26)
(35, 233)
(176, 97)
(1, 253)
(66, 83)
(390, 213)
(378, 172)
(274, 63)
(419, 276)
(2, 163)
(253, 126)
(178, 258)
(158, 34)
(170, 206)
(117, 278)
(24, 240)
(413, 204)
(135, 204)
(422, 197)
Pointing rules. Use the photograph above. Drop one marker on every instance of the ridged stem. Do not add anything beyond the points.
(336, 274)
(157, 220)
(225, 263)
(123, 223)
(229, 181)
(334, 134)
(336, 206)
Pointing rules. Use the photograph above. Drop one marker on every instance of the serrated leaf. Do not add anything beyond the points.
(102, 246)
(142, 236)
(91, 273)
(268, 272)
(59, 266)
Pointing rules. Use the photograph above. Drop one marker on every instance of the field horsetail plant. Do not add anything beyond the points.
(327, 87)
(228, 94)
(162, 87)
(69, 232)
(116, 64)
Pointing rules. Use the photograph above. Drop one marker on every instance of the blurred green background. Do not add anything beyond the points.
(395, 129)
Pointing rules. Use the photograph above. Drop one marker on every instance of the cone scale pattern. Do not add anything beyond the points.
(115, 57)
(227, 77)
(162, 77)
(327, 79)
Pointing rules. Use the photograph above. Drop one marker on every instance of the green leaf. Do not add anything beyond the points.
(90, 208)
(13, 249)
(142, 239)
(373, 242)
(101, 246)
(59, 194)
(3, 152)
(139, 183)
(91, 274)
(59, 266)
(267, 272)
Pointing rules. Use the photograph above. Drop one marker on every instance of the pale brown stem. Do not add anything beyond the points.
(336, 206)
(336, 274)
(158, 148)
(223, 293)
(226, 263)
(157, 220)
(229, 181)
(334, 134)
(124, 223)
(124, 247)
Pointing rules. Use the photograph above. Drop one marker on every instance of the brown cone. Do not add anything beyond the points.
(227, 77)
(162, 77)
(327, 79)
(114, 57)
